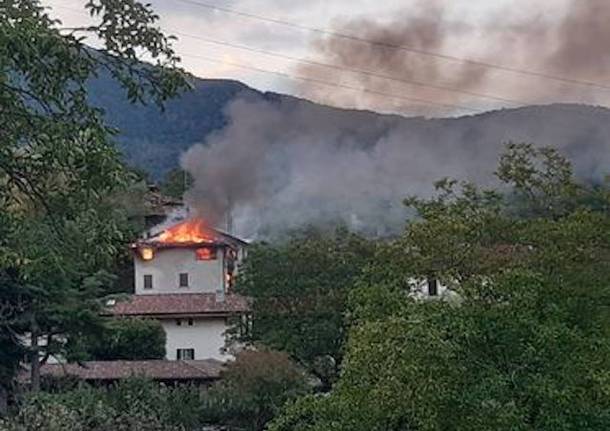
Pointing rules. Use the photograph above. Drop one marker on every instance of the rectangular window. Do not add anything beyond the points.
(205, 253)
(432, 287)
(148, 281)
(183, 279)
(178, 322)
(185, 354)
(190, 322)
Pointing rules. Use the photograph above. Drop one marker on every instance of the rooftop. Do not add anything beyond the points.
(179, 304)
(205, 369)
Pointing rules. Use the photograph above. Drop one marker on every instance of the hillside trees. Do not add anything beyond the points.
(58, 165)
(524, 343)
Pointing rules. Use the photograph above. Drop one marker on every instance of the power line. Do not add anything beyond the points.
(406, 48)
(349, 69)
(313, 80)
(331, 84)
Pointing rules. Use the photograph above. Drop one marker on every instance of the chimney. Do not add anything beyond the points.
(229, 216)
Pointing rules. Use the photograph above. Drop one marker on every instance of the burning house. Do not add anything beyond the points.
(184, 277)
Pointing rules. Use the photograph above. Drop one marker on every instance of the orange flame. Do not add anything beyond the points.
(190, 231)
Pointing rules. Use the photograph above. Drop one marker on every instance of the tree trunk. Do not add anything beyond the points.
(35, 357)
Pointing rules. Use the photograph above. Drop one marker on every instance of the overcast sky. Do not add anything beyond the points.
(477, 16)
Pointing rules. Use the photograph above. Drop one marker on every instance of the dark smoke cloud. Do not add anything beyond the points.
(284, 165)
(574, 45)
(281, 164)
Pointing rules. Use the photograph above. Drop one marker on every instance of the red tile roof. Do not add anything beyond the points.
(206, 369)
(179, 303)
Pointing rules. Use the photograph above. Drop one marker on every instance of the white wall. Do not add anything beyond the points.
(206, 336)
(167, 264)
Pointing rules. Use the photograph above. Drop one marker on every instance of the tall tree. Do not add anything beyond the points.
(299, 290)
(58, 164)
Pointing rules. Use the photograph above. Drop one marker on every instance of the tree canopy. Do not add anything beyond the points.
(299, 289)
(58, 164)
(523, 344)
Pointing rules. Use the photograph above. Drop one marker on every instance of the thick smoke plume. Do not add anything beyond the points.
(573, 45)
(282, 163)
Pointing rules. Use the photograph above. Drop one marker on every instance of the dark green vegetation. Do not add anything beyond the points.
(60, 227)
(128, 338)
(523, 341)
(300, 289)
(253, 390)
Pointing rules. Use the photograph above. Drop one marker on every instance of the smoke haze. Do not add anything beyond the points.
(283, 163)
(573, 45)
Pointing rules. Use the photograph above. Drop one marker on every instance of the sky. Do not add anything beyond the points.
(501, 32)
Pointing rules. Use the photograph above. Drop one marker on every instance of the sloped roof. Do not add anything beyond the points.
(179, 303)
(204, 369)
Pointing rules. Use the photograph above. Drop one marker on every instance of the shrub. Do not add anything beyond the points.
(133, 405)
(253, 389)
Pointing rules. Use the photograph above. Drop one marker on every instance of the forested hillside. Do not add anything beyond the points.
(154, 140)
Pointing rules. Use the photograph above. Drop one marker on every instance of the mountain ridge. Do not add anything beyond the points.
(154, 140)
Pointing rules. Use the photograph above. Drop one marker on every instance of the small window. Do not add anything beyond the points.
(432, 287)
(205, 253)
(183, 279)
(178, 322)
(148, 281)
(190, 322)
(185, 354)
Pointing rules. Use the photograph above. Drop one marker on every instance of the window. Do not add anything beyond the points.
(148, 281)
(185, 354)
(190, 322)
(183, 280)
(205, 253)
(178, 322)
(432, 287)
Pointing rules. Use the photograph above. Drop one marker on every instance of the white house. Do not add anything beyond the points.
(184, 278)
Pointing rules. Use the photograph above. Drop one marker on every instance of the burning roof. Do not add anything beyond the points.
(191, 232)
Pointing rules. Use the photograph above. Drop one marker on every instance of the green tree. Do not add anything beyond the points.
(253, 389)
(299, 290)
(127, 339)
(524, 346)
(58, 164)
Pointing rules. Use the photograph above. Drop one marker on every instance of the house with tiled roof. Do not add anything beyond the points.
(184, 278)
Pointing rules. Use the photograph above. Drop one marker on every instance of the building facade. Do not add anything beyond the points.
(184, 278)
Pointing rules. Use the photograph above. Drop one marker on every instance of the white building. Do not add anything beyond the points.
(184, 278)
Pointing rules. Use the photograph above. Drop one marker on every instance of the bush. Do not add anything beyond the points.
(133, 405)
(253, 389)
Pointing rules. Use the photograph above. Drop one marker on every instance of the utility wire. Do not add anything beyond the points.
(331, 84)
(332, 33)
(313, 80)
(348, 69)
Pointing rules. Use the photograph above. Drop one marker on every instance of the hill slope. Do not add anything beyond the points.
(154, 140)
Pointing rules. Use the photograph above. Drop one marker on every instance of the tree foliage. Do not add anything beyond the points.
(299, 290)
(253, 389)
(58, 165)
(131, 405)
(526, 344)
(123, 339)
